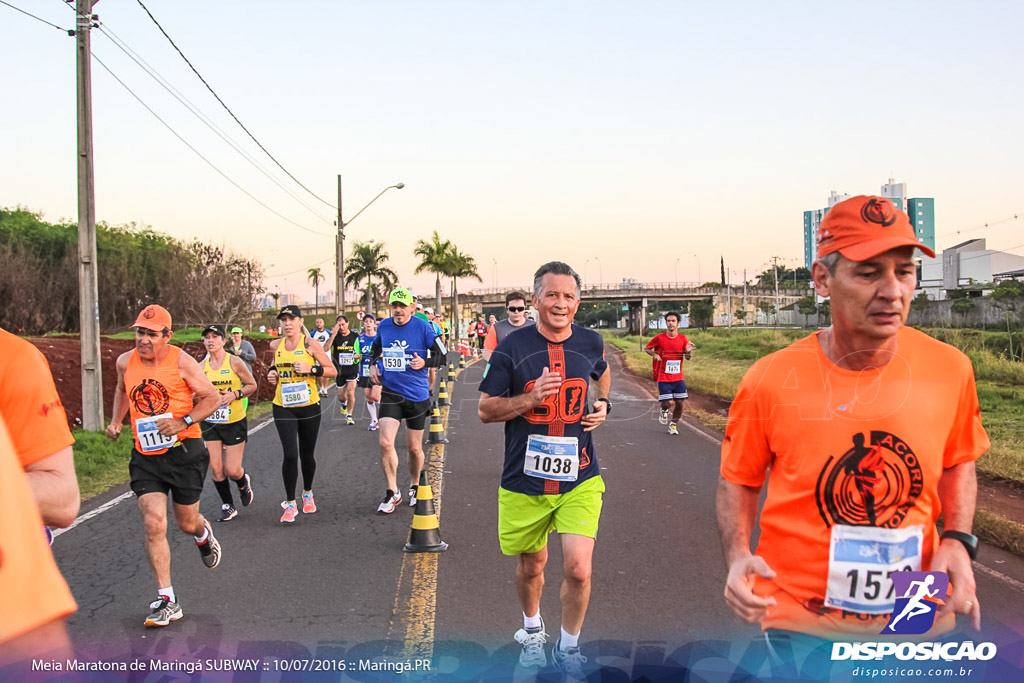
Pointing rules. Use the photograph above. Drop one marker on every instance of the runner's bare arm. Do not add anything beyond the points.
(272, 372)
(503, 409)
(243, 372)
(317, 352)
(958, 494)
(737, 509)
(207, 394)
(603, 389)
(120, 399)
(55, 487)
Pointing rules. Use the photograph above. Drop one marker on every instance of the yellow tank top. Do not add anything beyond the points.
(226, 380)
(294, 391)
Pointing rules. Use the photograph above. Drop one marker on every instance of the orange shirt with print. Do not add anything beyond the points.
(159, 389)
(32, 590)
(840, 447)
(29, 403)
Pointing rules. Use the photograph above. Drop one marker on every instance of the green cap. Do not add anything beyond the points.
(237, 329)
(400, 295)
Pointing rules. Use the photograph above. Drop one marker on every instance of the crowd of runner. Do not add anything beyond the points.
(548, 381)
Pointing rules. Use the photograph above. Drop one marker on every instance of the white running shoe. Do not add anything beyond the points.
(663, 416)
(672, 429)
(533, 647)
(570, 661)
(391, 501)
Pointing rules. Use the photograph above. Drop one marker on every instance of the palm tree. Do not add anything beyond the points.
(434, 259)
(366, 263)
(315, 278)
(459, 265)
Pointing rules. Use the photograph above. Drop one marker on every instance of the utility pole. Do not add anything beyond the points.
(88, 290)
(775, 265)
(339, 287)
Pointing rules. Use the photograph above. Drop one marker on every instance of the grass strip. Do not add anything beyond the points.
(999, 531)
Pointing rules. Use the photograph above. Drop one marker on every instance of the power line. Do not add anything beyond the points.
(229, 110)
(200, 155)
(70, 32)
(165, 84)
(980, 227)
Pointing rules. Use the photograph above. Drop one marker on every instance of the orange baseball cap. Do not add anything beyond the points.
(154, 317)
(863, 227)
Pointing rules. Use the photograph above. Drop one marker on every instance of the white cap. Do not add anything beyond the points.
(428, 309)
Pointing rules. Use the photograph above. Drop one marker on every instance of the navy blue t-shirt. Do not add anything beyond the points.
(516, 363)
(398, 343)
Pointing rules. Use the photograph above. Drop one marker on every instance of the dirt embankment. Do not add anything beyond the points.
(65, 357)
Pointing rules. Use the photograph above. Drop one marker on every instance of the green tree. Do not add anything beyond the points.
(367, 263)
(920, 302)
(807, 306)
(459, 265)
(315, 278)
(741, 315)
(434, 256)
(701, 312)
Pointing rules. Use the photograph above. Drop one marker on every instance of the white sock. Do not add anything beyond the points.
(202, 539)
(372, 409)
(532, 622)
(568, 640)
(167, 593)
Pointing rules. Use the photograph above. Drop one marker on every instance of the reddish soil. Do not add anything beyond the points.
(65, 357)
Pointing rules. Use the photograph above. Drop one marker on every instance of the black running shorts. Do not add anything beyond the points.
(228, 433)
(364, 382)
(395, 406)
(180, 470)
(346, 373)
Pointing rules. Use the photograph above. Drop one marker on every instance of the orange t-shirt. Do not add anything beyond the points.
(156, 390)
(847, 449)
(29, 403)
(32, 590)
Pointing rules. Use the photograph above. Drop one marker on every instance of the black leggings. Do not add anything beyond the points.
(303, 422)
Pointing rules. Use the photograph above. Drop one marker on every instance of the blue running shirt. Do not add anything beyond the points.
(516, 363)
(398, 343)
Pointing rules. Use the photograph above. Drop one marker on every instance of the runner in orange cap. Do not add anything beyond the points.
(864, 432)
(156, 383)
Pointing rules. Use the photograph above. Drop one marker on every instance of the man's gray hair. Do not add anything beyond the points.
(831, 261)
(553, 268)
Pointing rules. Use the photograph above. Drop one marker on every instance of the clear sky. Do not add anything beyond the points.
(631, 139)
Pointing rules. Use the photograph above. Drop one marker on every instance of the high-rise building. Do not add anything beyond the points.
(920, 210)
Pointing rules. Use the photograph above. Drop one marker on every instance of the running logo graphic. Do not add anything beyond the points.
(878, 211)
(918, 597)
(871, 484)
(150, 397)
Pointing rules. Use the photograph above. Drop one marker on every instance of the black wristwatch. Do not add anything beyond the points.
(970, 541)
(187, 419)
(608, 405)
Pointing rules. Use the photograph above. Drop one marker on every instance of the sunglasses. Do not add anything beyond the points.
(516, 309)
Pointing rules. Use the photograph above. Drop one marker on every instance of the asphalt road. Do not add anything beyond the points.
(335, 587)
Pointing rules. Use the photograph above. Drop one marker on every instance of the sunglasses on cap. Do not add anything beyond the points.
(515, 309)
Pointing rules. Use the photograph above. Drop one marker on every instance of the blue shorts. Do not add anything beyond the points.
(668, 391)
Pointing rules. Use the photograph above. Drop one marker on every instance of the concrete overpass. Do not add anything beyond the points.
(637, 296)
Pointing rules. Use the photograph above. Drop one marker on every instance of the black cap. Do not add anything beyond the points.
(219, 329)
(290, 309)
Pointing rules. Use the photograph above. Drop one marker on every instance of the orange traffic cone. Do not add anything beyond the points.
(425, 534)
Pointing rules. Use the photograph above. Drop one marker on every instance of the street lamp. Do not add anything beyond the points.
(677, 272)
(494, 278)
(698, 270)
(340, 244)
(600, 272)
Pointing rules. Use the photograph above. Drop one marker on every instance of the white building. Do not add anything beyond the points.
(959, 265)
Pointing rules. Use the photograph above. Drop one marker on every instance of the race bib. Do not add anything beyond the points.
(861, 562)
(149, 438)
(294, 394)
(394, 360)
(673, 367)
(346, 358)
(552, 457)
(219, 416)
